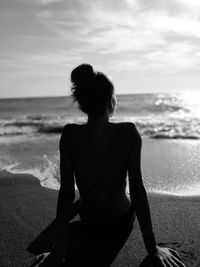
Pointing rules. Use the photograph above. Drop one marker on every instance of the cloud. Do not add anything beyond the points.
(191, 3)
(46, 2)
(140, 35)
(61, 58)
(40, 2)
(181, 25)
(45, 14)
(46, 63)
(177, 56)
(126, 27)
(174, 58)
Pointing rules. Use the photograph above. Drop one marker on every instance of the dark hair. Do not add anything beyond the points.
(92, 90)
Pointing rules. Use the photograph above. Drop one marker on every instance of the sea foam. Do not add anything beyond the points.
(48, 174)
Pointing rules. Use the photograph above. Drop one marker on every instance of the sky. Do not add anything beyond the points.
(142, 45)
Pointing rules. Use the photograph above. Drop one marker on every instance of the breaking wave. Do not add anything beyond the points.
(158, 116)
(157, 128)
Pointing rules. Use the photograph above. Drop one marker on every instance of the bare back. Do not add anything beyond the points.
(100, 156)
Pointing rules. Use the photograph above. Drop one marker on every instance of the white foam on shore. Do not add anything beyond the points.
(184, 191)
(46, 176)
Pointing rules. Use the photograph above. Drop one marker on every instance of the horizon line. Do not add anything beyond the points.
(58, 96)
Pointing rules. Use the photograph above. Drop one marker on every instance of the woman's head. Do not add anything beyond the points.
(93, 91)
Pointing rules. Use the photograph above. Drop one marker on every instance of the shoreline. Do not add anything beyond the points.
(168, 167)
(54, 185)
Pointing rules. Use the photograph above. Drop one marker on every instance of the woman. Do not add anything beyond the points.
(98, 155)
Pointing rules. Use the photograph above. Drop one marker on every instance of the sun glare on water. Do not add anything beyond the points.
(191, 101)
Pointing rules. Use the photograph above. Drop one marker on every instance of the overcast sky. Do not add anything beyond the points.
(144, 45)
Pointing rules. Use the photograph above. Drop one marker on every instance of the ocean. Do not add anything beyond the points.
(169, 124)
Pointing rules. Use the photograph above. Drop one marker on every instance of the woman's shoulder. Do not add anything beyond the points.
(130, 130)
(70, 126)
(68, 134)
(127, 126)
(124, 124)
(123, 127)
(71, 129)
(130, 126)
(68, 129)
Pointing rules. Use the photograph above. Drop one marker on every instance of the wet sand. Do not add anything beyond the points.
(26, 209)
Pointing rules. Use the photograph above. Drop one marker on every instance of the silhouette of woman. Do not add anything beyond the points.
(98, 155)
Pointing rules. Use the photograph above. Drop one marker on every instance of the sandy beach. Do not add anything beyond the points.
(26, 209)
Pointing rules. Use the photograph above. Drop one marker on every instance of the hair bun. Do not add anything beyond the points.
(82, 74)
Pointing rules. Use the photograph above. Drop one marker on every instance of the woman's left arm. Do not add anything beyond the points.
(67, 189)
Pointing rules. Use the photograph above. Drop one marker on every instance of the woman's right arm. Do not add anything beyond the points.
(161, 256)
(138, 193)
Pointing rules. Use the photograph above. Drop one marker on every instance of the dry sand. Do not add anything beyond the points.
(26, 209)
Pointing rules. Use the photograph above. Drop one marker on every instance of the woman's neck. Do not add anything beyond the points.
(97, 120)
